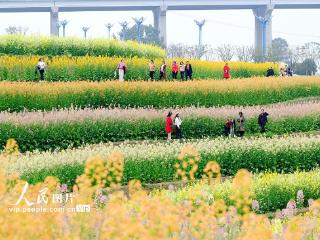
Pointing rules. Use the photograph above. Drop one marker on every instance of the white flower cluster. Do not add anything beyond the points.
(151, 150)
(276, 111)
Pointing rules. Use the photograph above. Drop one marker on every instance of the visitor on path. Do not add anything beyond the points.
(270, 72)
(175, 70)
(182, 68)
(188, 71)
(122, 69)
(152, 68)
(163, 71)
(226, 71)
(289, 72)
(286, 70)
(233, 128)
(169, 125)
(41, 66)
(241, 124)
(282, 72)
(177, 123)
(262, 120)
(228, 127)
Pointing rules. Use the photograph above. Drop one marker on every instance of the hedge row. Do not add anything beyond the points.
(53, 46)
(46, 96)
(272, 191)
(64, 135)
(156, 163)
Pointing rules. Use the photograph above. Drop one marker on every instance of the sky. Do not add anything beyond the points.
(234, 27)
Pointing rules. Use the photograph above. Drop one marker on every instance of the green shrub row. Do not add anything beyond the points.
(53, 46)
(64, 135)
(94, 98)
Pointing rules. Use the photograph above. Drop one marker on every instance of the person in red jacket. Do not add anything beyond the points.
(174, 70)
(226, 71)
(169, 124)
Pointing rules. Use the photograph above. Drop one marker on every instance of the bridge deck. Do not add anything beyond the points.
(133, 5)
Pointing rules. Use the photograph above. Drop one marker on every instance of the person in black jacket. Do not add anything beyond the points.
(270, 72)
(188, 71)
(262, 120)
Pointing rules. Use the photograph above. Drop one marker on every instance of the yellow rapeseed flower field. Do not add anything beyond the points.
(51, 210)
(17, 96)
(67, 68)
(235, 85)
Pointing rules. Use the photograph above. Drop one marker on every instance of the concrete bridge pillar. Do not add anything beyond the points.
(54, 21)
(263, 31)
(160, 23)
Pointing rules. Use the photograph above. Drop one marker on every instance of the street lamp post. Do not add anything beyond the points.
(200, 25)
(85, 30)
(124, 26)
(58, 27)
(109, 26)
(139, 22)
(64, 24)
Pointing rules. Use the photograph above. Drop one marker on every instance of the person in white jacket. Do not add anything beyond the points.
(41, 66)
(177, 123)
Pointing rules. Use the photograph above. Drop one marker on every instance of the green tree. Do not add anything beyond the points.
(307, 67)
(280, 50)
(149, 34)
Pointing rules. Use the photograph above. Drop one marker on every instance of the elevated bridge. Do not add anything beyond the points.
(262, 10)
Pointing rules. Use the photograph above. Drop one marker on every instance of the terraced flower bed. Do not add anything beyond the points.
(154, 162)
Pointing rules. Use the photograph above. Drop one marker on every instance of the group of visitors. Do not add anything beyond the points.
(232, 128)
(286, 71)
(177, 123)
(184, 69)
(237, 127)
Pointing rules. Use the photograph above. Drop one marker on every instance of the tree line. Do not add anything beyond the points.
(303, 59)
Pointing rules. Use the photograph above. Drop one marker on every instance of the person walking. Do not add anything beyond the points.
(226, 71)
(152, 68)
(41, 66)
(163, 70)
(282, 72)
(233, 128)
(177, 123)
(175, 70)
(188, 71)
(241, 124)
(182, 68)
(122, 69)
(169, 125)
(227, 127)
(262, 120)
(286, 70)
